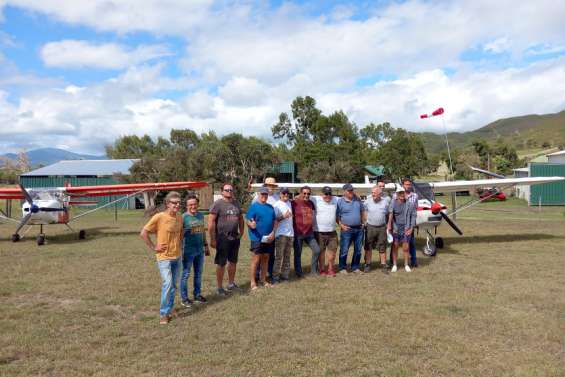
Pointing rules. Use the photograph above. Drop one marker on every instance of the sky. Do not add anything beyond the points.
(79, 74)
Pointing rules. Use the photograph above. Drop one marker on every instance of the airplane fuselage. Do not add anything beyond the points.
(43, 217)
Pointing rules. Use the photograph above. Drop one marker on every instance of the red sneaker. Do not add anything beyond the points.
(323, 273)
(330, 273)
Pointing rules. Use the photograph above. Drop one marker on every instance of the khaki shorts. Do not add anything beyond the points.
(375, 238)
(327, 241)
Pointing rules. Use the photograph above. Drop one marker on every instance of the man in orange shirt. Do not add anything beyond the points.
(168, 227)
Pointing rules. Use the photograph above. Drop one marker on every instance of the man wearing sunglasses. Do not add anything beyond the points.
(225, 227)
(303, 223)
(167, 226)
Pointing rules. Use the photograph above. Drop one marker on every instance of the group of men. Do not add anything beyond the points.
(276, 225)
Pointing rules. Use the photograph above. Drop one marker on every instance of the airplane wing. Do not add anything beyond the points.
(11, 193)
(125, 189)
(437, 187)
(453, 186)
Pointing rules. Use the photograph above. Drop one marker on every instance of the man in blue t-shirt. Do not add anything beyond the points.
(262, 223)
(349, 217)
(194, 249)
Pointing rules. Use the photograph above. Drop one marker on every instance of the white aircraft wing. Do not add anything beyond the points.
(437, 187)
(453, 186)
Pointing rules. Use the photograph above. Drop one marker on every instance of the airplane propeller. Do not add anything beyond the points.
(437, 207)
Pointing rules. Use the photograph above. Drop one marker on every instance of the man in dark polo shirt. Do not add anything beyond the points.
(349, 218)
(303, 223)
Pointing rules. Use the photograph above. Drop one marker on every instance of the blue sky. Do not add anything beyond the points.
(78, 75)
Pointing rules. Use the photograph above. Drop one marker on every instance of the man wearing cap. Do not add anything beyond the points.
(261, 222)
(349, 218)
(303, 224)
(411, 197)
(284, 237)
(401, 223)
(324, 229)
(376, 210)
(271, 184)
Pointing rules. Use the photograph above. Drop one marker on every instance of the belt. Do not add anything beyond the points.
(354, 226)
(376, 226)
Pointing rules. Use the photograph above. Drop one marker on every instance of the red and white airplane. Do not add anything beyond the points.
(430, 212)
(45, 206)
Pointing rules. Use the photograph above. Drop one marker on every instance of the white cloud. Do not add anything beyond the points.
(497, 46)
(81, 54)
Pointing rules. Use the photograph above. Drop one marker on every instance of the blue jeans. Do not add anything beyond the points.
(188, 261)
(169, 269)
(355, 236)
(412, 248)
(311, 241)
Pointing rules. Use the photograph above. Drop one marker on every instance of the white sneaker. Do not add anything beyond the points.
(394, 268)
(407, 268)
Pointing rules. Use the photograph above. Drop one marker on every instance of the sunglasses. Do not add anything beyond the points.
(306, 193)
(228, 190)
(327, 194)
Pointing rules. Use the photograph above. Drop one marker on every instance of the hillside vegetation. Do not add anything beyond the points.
(528, 132)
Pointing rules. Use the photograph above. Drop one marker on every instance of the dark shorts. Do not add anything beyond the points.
(258, 247)
(375, 238)
(226, 250)
(327, 241)
(399, 234)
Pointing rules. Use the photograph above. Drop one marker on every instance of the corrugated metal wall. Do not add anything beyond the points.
(548, 193)
(45, 181)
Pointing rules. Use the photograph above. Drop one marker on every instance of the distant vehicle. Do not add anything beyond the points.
(491, 194)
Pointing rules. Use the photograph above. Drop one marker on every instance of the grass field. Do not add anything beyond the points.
(492, 303)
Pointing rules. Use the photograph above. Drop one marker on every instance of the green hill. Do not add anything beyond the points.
(528, 134)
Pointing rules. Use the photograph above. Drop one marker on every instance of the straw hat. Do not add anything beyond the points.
(270, 181)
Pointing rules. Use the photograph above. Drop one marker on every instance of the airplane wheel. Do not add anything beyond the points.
(430, 250)
(15, 237)
(439, 242)
(82, 234)
(40, 239)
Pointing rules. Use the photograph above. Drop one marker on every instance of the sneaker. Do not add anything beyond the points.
(186, 303)
(164, 320)
(200, 299)
(233, 287)
(384, 269)
(276, 280)
(356, 271)
(394, 268)
(407, 268)
(221, 292)
(324, 273)
(331, 273)
(343, 272)
(367, 268)
(299, 275)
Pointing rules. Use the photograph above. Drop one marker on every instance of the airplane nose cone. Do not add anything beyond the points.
(436, 208)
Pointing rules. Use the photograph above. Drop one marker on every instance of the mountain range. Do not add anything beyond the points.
(529, 134)
(48, 156)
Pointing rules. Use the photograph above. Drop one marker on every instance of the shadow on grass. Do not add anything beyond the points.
(72, 236)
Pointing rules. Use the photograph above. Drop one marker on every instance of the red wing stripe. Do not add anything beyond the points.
(11, 193)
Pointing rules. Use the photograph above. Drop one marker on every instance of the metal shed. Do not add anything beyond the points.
(80, 173)
(548, 193)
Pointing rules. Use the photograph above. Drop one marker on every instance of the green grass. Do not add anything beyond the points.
(492, 303)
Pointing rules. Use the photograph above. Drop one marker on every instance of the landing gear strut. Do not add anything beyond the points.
(432, 244)
(40, 236)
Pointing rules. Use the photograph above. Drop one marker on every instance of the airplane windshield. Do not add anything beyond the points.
(45, 194)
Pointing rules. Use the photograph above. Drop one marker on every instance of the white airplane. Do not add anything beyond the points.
(430, 212)
(46, 206)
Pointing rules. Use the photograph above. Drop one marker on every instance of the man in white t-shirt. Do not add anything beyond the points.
(324, 229)
(284, 238)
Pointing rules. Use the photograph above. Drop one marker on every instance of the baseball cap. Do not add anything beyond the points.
(264, 190)
(327, 190)
(400, 189)
(348, 187)
(284, 190)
